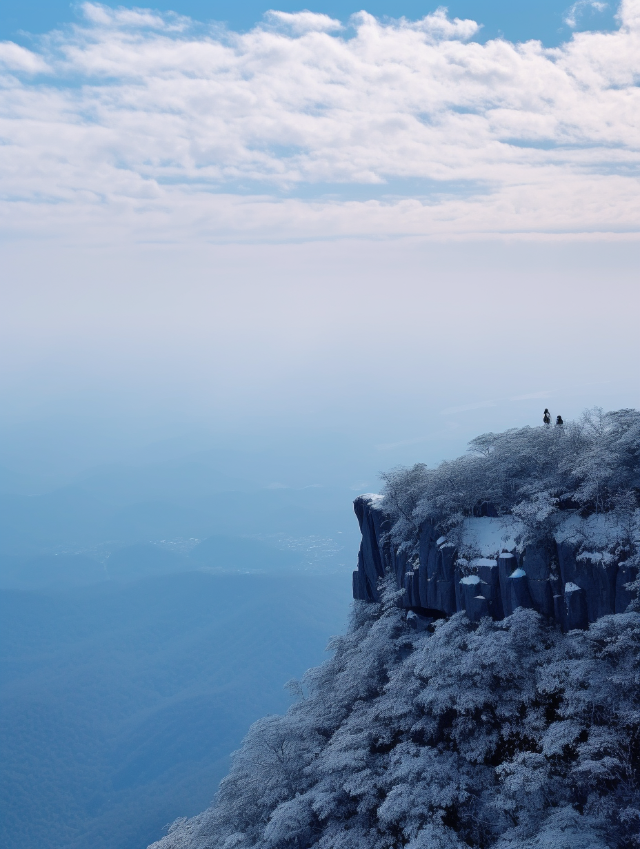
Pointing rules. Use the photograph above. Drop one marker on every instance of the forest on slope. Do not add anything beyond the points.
(537, 477)
(451, 733)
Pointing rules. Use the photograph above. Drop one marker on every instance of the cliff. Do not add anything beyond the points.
(541, 518)
(555, 577)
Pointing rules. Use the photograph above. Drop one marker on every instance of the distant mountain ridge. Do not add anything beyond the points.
(121, 702)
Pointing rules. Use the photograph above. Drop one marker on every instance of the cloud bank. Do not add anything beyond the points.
(140, 125)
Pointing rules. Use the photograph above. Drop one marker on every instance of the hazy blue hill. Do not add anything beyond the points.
(143, 559)
(129, 672)
(32, 523)
(154, 520)
(239, 553)
(310, 510)
(122, 702)
(74, 519)
(44, 570)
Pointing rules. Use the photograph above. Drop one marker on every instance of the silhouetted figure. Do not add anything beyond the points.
(547, 416)
(559, 421)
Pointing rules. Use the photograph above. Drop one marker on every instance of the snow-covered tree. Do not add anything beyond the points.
(499, 735)
(539, 475)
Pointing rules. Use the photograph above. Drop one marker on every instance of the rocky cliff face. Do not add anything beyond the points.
(556, 577)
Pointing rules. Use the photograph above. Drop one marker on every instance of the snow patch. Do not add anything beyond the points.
(485, 561)
(470, 579)
(596, 532)
(603, 557)
(487, 536)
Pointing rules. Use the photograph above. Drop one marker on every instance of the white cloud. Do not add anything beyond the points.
(438, 25)
(629, 14)
(301, 22)
(106, 16)
(148, 129)
(16, 58)
(576, 10)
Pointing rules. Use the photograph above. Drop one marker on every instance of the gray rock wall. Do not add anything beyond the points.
(551, 579)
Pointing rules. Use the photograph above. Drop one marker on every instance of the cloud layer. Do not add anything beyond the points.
(149, 126)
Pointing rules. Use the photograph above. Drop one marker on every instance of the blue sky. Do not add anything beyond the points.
(545, 20)
(308, 221)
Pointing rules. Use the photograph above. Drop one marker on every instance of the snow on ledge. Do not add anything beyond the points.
(470, 579)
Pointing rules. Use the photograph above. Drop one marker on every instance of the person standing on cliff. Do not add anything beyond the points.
(559, 421)
(546, 417)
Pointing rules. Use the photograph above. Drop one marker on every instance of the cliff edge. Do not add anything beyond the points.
(542, 518)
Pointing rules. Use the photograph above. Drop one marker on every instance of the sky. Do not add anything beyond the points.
(225, 224)
(552, 21)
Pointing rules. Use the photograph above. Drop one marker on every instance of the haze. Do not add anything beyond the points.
(246, 266)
